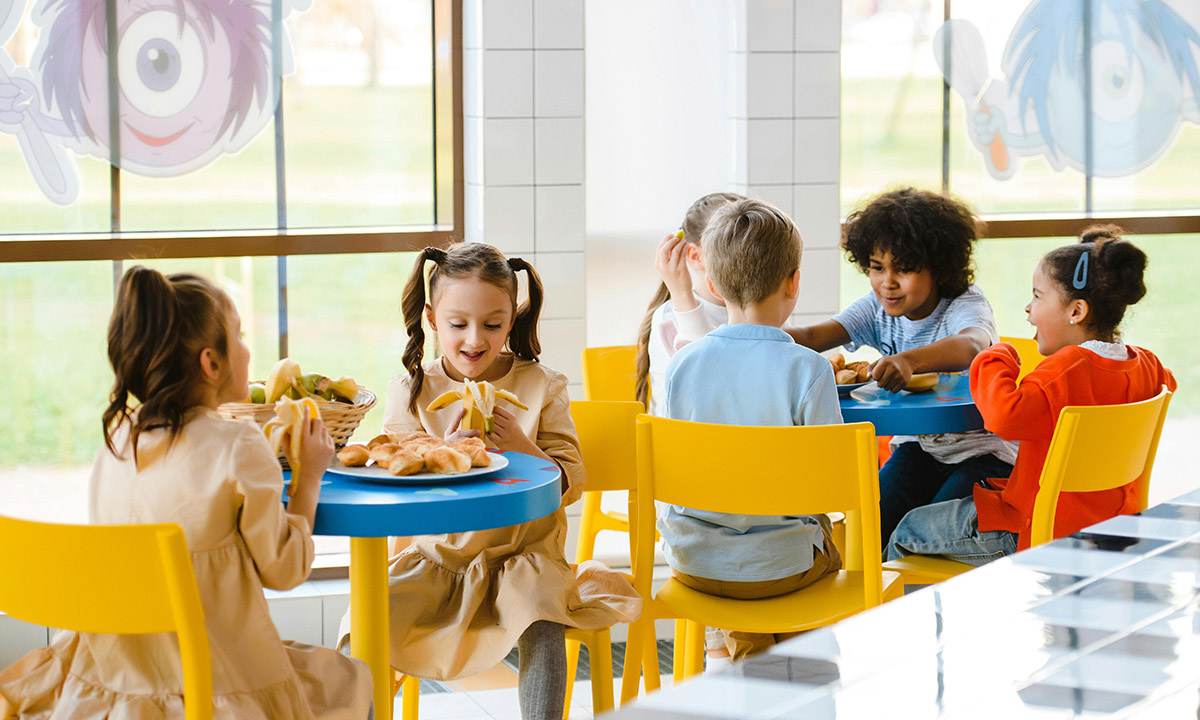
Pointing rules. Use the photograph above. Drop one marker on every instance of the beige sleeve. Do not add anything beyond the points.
(396, 416)
(280, 544)
(556, 437)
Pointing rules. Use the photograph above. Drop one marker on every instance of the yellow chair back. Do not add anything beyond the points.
(610, 373)
(126, 579)
(606, 431)
(1099, 447)
(802, 470)
(1028, 350)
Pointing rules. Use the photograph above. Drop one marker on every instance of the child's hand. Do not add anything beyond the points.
(892, 372)
(671, 264)
(453, 433)
(508, 435)
(316, 450)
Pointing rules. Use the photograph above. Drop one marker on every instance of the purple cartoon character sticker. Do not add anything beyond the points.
(194, 80)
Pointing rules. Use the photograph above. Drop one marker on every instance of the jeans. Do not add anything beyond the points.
(911, 478)
(949, 529)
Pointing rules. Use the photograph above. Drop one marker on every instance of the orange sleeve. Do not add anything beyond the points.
(1011, 410)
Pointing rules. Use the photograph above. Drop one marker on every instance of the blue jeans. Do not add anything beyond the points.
(911, 478)
(949, 529)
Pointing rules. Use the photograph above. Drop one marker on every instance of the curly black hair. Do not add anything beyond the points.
(921, 229)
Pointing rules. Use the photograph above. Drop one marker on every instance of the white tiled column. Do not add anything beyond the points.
(785, 71)
(523, 83)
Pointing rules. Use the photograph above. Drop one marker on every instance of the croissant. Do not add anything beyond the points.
(420, 446)
(474, 449)
(354, 455)
(447, 460)
(379, 440)
(404, 462)
(846, 377)
(383, 453)
(838, 361)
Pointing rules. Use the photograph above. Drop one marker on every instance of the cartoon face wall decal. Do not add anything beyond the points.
(1144, 76)
(194, 79)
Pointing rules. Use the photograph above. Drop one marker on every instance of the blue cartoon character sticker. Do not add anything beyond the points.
(1144, 85)
(194, 81)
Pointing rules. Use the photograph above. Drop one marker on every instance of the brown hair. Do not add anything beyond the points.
(464, 260)
(750, 248)
(920, 229)
(159, 326)
(1111, 279)
(694, 222)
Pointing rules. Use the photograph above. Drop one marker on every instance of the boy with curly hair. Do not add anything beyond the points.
(923, 314)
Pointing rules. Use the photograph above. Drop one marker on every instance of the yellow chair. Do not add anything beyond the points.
(1094, 447)
(130, 579)
(827, 468)
(1027, 349)
(610, 373)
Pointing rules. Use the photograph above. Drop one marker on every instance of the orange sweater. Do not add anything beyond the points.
(1028, 412)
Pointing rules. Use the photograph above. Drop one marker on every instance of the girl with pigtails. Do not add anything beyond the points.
(460, 602)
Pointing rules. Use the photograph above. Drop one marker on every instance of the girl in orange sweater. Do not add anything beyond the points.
(1080, 293)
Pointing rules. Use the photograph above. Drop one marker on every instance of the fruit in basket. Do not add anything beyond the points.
(479, 402)
(258, 394)
(312, 384)
(279, 380)
(288, 426)
(344, 389)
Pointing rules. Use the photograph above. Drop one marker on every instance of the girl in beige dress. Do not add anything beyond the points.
(176, 348)
(460, 602)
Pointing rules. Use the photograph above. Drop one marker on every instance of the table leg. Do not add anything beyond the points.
(369, 632)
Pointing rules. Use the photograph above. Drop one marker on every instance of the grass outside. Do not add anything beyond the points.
(344, 319)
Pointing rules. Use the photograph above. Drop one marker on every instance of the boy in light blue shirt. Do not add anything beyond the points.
(750, 372)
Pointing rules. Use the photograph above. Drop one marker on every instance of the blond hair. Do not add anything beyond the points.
(750, 248)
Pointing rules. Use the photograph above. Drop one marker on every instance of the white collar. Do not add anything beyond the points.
(1112, 351)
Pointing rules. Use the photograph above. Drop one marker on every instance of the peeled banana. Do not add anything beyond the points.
(479, 402)
(288, 423)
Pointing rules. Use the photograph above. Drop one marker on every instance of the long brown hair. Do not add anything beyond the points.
(465, 260)
(694, 222)
(159, 326)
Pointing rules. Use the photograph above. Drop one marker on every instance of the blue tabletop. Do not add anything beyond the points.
(529, 488)
(946, 408)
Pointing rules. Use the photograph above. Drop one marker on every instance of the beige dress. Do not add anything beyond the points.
(459, 602)
(221, 483)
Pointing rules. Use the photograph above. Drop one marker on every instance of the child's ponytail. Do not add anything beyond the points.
(159, 326)
(1110, 279)
(412, 306)
(523, 340)
(643, 343)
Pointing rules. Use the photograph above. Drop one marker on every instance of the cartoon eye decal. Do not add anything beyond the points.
(1118, 81)
(160, 63)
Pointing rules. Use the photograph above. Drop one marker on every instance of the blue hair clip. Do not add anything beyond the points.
(1080, 279)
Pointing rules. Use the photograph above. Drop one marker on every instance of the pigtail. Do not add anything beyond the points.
(523, 339)
(412, 307)
(643, 343)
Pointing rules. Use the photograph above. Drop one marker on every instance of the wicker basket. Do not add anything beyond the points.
(341, 419)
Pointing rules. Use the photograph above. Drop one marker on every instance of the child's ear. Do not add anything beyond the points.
(1080, 310)
(210, 365)
(713, 288)
(694, 258)
(429, 317)
(793, 285)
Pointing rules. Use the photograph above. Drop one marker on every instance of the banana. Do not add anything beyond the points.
(679, 234)
(921, 382)
(479, 403)
(344, 388)
(314, 383)
(290, 416)
(279, 380)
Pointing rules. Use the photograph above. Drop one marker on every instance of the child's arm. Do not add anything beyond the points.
(671, 263)
(820, 337)
(1011, 410)
(316, 450)
(950, 354)
(556, 439)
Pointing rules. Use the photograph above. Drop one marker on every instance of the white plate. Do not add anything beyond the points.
(373, 473)
(845, 390)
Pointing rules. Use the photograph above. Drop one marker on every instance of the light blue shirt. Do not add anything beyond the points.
(867, 324)
(746, 375)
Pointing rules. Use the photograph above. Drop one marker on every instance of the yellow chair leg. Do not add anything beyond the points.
(410, 698)
(680, 654)
(650, 660)
(600, 657)
(694, 660)
(572, 671)
(631, 676)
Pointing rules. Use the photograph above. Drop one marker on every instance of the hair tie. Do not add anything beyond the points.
(1079, 281)
(435, 254)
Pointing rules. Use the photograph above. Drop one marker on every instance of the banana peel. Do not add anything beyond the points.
(479, 404)
(279, 380)
(288, 426)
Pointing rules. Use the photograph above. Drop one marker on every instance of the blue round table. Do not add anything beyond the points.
(947, 408)
(369, 512)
